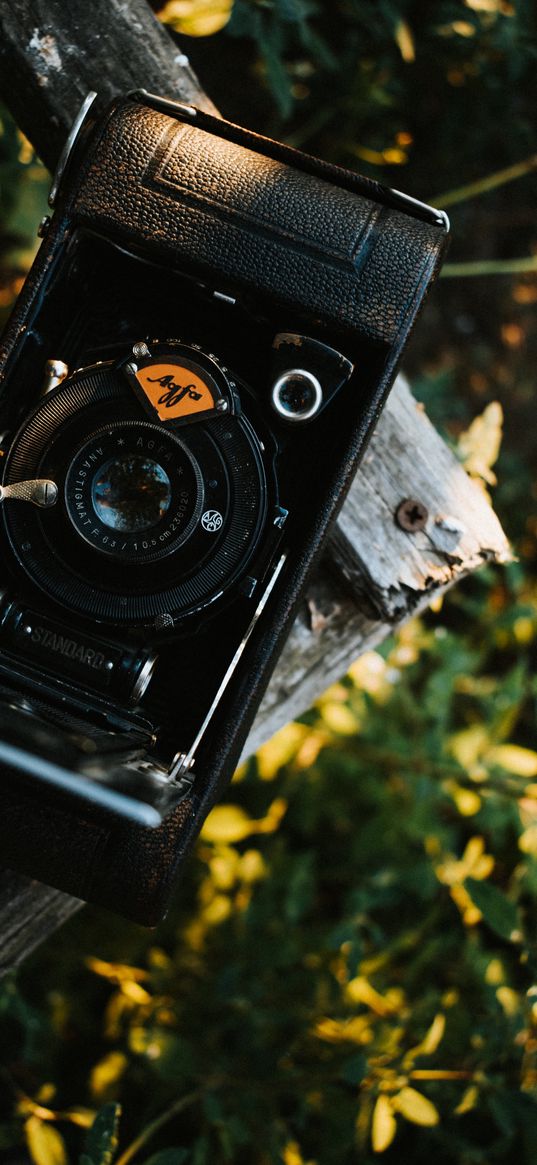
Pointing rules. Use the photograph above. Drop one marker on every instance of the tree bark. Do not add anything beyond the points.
(53, 53)
(374, 574)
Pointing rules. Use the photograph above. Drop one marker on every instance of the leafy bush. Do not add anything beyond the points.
(351, 959)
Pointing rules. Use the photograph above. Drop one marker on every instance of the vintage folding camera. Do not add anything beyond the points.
(188, 380)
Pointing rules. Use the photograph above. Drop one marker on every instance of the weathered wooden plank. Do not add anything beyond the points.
(385, 575)
(374, 575)
(28, 913)
(408, 459)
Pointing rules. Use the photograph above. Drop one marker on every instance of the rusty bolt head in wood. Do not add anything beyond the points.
(411, 515)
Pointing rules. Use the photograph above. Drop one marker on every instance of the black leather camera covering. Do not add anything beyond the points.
(260, 221)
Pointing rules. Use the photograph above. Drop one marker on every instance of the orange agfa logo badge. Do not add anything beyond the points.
(174, 390)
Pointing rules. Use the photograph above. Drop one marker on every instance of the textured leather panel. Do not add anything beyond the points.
(255, 223)
(258, 195)
(309, 235)
(91, 856)
(45, 841)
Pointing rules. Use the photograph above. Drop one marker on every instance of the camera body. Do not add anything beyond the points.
(187, 384)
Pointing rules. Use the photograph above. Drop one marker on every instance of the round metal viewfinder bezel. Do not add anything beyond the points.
(311, 381)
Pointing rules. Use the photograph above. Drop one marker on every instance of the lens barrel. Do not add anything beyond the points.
(153, 522)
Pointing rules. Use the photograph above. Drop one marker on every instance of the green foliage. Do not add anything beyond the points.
(23, 187)
(101, 1141)
(497, 911)
(350, 77)
(353, 953)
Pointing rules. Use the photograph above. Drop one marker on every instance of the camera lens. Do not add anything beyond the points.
(134, 492)
(130, 494)
(152, 522)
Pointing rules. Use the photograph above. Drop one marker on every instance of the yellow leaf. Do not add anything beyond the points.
(83, 1117)
(394, 157)
(224, 867)
(197, 17)
(459, 27)
(26, 150)
(135, 992)
(468, 745)
(479, 446)
(470, 913)
(496, 6)
(509, 1000)
(436, 604)
(252, 867)
(494, 973)
(524, 629)
(339, 718)
(415, 1107)
(159, 959)
(469, 1100)
(527, 841)
(292, 1155)
(116, 972)
(359, 990)
(106, 1074)
(227, 824)
(467, 801)
(275, 812)
(310, 748)
(281, 749)
(217, 910)
(334, 1031)
(405, 41)
(117, 1008)
(383, 1127)
(370, 673)
(476, 863)
(46, 1093)
(433, 1037)
(45, 1144)
(376, 157)
(515, 759)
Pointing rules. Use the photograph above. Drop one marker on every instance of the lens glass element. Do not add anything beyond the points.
(131, 493)
(297, 395)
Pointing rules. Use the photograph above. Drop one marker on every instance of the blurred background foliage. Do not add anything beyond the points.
(349, 971)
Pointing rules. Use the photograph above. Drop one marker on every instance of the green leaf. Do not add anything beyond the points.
(201, 1152)
(498, 912)
(301, 887)
(354, 1069)
(101, 1142)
